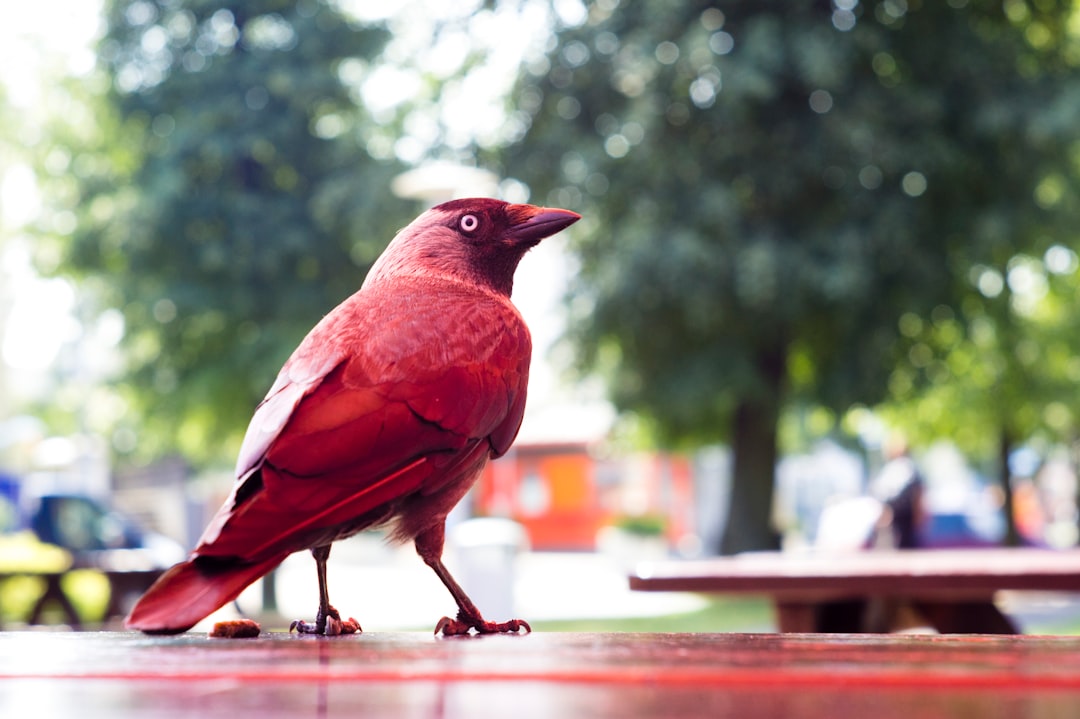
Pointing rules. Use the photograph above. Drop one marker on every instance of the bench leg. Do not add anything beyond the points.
(972, 617)
(796, 617)
(961, 617)
(54, 591)
(839, 616)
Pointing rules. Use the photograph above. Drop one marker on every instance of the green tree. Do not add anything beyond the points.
(995, 369)
(1006, 375)
(226, 199)
(768, 187)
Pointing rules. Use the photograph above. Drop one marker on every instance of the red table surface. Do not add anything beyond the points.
(88, 675)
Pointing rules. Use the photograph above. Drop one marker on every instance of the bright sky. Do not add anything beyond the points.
(41, 37)
(34, 45)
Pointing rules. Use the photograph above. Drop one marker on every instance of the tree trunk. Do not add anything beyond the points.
(1012, 536)
(269, 593)
(749, 526)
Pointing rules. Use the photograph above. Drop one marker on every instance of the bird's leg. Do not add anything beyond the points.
(429, 546)
(321, 554)
(327, 620)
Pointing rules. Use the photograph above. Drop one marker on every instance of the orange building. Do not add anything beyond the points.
(564, 493)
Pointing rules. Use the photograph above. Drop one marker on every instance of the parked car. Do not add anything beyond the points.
(99, 536)
(95, 534)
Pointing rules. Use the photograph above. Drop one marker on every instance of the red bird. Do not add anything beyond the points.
(385, 414)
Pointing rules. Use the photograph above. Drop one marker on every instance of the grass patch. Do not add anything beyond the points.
(1065, 626)
(721, 614)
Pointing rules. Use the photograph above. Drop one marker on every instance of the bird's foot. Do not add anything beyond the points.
(457, 627)
(331, 624)
(335, 627)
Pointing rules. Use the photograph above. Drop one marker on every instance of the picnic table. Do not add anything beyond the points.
(120, 675)
(951, 589)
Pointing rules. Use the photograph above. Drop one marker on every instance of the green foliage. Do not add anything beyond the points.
(226, 201)
(757, 177)
(1010, 368)
(994, 367)
(770, 186)
(645, 525)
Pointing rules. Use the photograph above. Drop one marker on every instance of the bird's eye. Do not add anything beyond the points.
(469, 223)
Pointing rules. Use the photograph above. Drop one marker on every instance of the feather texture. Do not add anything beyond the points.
(386, 412)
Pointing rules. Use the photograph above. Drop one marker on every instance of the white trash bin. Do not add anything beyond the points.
(486, 549)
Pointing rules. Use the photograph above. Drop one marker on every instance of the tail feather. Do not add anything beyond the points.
(190, 591)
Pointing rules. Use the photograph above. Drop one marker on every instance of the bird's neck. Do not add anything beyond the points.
(448, 263)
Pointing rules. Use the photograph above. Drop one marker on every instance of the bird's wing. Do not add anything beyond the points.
(297, 378)
(375, 404)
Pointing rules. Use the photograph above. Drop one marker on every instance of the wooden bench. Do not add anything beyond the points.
(121, 675)
(953, 590)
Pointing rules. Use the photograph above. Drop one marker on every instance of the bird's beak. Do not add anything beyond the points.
(533, 224)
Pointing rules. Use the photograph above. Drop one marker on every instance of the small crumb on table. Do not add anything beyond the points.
(236, 629)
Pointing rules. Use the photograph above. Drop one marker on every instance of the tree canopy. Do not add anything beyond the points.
(807, 203)
(770, 187)
(233, 193)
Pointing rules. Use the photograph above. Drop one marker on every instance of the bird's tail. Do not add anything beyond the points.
(190, 591)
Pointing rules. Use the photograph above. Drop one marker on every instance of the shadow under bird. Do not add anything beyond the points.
(385, 415)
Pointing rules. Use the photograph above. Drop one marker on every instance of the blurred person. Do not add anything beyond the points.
(889, 518)
(900, 488)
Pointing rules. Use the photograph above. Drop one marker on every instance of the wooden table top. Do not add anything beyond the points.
(958, 572)
(119, 675)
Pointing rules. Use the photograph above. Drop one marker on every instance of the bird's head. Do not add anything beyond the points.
(478, 240)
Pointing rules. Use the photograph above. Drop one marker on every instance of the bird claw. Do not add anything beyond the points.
(335, 626)
(302, 627)
(459, 627)
(332, 625)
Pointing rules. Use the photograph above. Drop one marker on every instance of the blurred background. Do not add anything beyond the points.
(818, 235)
